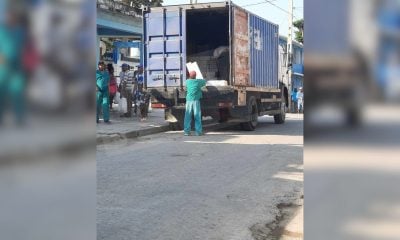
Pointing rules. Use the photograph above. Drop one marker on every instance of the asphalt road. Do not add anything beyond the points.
(50, 197)
(217, 186)
(352, 178)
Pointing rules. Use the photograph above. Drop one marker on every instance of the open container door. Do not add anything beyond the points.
(241, 50)
(165, 45)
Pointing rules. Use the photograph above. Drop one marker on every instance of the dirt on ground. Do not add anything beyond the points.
(285, 226)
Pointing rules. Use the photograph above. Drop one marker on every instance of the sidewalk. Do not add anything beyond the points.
(122, 128)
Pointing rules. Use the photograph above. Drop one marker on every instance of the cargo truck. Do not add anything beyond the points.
(236, 51)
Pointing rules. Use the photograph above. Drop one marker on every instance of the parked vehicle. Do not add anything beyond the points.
(236, 51)
(340, 58)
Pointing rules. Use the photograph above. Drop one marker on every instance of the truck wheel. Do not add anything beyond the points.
(280, 118)
(176, 126)
(353, 117)
(223, 115)
(180, 116)
(253, 109)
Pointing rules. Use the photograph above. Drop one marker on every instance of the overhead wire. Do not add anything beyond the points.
(271, 3)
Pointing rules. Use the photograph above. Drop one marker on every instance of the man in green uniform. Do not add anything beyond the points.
(193, 96)
(12, 79)
(102, 97)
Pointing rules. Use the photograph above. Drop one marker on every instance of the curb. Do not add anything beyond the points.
(108, 138)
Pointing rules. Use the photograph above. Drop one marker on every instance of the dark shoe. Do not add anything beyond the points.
(107, 122)
(199, 134)
(186, 134)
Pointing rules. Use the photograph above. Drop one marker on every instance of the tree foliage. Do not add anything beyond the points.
(139, 3)
(299, 34)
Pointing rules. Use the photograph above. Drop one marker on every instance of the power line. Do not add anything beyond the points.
(282, 9)
(254, 4)
(271, 3)
(259, 3)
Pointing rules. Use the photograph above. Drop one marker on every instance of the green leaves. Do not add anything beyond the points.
(299, 35)
(139, 3)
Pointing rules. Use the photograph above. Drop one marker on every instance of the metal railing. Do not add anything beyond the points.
(119, 7)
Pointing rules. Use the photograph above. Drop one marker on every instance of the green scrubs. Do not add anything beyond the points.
(102, 95)
(193, 96)
(12, 78)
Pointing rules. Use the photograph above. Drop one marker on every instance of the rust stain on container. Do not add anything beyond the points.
(241, 48)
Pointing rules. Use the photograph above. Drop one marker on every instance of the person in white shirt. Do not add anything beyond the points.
(126, 87)
(300, 100)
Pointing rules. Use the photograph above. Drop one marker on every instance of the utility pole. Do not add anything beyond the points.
(289, 53)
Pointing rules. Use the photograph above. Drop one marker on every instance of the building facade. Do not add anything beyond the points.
(117, 21)
(297, 64)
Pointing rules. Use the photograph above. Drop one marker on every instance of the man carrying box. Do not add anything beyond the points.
(193, 96)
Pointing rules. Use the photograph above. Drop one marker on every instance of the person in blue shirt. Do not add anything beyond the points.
(102, 97)
(138, 89)
(294, 100)
(193, 96)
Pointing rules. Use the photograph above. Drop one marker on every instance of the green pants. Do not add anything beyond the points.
(12, 94)
(102, 103)
(193, 108)
(3, 99)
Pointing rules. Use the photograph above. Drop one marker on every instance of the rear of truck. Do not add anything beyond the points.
(237, 53)
(336, 62)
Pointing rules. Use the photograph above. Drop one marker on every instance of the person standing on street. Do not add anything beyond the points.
(113, 84)
(102, 97)
(193, 96)
(12, 75)
(138, 88)
(126, 87)
(300, 100)
(294, 101)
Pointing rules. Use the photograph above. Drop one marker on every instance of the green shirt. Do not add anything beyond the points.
(102, 80)
(193, 89)
(11, 41)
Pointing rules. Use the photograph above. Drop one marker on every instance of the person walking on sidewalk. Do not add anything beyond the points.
(294, 101)
(126, 87)
(12, 75)
(102, 97)
(112, 85)
(138, 88)
(300, 100)
(193, 96)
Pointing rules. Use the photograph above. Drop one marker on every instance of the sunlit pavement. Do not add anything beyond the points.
(216, 186)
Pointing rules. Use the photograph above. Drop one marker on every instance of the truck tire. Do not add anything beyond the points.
(280, 118)
(353, 117)
(223, 115)
(253, 110)
(180, 116)
(175, 126)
